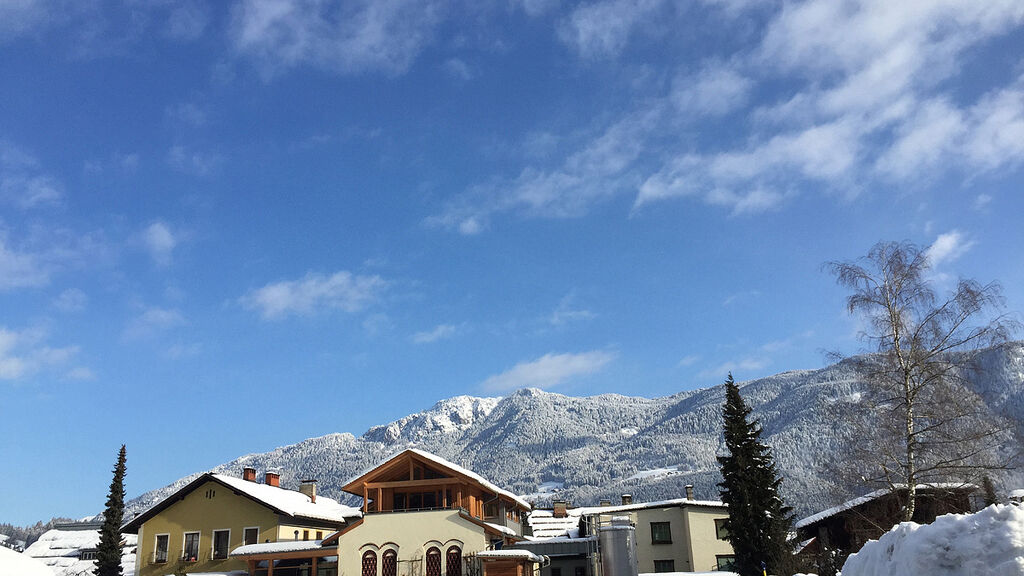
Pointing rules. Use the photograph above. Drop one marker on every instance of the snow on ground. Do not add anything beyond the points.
(655, 473)
(986, 543)
(17, 564)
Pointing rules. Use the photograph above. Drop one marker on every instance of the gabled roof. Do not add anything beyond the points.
(282, 501)
(850, 504)
(441, 462)
(676, 502)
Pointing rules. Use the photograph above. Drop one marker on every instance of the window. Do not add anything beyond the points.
(661, 533)
(251, 536)
(190, 552)
(434, 562)
(220, 544)
(453, 561)
(319, 535)
(162, 542)
(725, 563)
(720, 530)
(305, 534)
(87, 555)
(369, 563)
(389, 563)
(664, 565)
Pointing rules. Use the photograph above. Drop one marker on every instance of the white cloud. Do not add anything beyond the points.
(717, 89)
(602, 28)
(21, 269)
(187, 20)
(345, 37)
(440, 332)
(71, 300)
(80, 373)
(188, 113)
(566, 312)
(160, 242)
(315, 293)
(193, 162)
(548, 371)
(982, 201)
(688, 360)
(948, 247)
(737, 367)
(153, 322)
(24, 353)
(458, 69)
(23, 183)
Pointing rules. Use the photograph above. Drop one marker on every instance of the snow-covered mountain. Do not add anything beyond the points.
(540, 444)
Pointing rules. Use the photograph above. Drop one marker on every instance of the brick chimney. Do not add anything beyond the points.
(249, 474)
(308, 487)
(272, 479)
(605, 502)
(689, 491)
(559, 508)
(627, 499)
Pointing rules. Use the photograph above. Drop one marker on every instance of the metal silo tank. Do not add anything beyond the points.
(618, 548)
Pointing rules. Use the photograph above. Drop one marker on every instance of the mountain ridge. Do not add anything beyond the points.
(544, 444)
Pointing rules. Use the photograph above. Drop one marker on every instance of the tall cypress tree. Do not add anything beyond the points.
(108, 553)
(759, 522)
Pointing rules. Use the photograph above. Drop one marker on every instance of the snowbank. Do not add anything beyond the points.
(986, 543)
(17, 564)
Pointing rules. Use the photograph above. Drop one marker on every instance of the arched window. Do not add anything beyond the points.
(433, 562)
(369, 563)
(389, 563)
(453, 562)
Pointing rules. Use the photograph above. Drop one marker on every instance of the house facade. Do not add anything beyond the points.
(196, 528)
(679, 535)
(421, 516)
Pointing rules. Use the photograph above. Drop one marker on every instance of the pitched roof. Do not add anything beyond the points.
(451, 466)
(281, 500)
(588, 510)
(850, 504)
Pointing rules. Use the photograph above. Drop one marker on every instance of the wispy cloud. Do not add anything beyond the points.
(71, 300)
(548, 371)
(601, 29)
(567, 312)
(23, 182)
(344, 37)
(948, 247)
(21, 269)
(160, 242)
(152, 322)
(25, 353)
(717, 89)
(440, 332)
(193, 162)
(315, 293)
(688, 360)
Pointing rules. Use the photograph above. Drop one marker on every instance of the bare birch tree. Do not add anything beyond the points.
(920, 422)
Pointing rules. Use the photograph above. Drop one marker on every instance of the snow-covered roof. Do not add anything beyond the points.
(509, 554)
(503, 529)
(292, 502)
(17, 564)
(276, 547)
(59, 549)
(590, 510)
(849, 504)
(1018, 493)
(454, 468)
(288, 502)
(546, 526)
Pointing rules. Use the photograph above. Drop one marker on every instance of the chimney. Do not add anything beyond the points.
(249, 474)
(627, 499)
(559, 508)
(308, 487)
(272, 479)
(606, 502)
(689, 491)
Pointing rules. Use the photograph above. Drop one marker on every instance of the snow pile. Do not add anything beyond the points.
(17, 564)
(986, 543)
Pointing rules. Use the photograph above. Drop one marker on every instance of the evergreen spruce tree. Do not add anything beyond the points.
(759, 523)
(108, 553)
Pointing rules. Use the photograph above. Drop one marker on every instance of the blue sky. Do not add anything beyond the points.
(226, 227)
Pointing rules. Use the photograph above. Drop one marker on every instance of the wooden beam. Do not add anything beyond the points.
(412, 483)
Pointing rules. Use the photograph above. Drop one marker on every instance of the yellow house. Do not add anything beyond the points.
(195, 529)
(422, 516)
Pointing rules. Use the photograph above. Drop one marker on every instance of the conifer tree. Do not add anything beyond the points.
(759, 523)
(108, 553)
